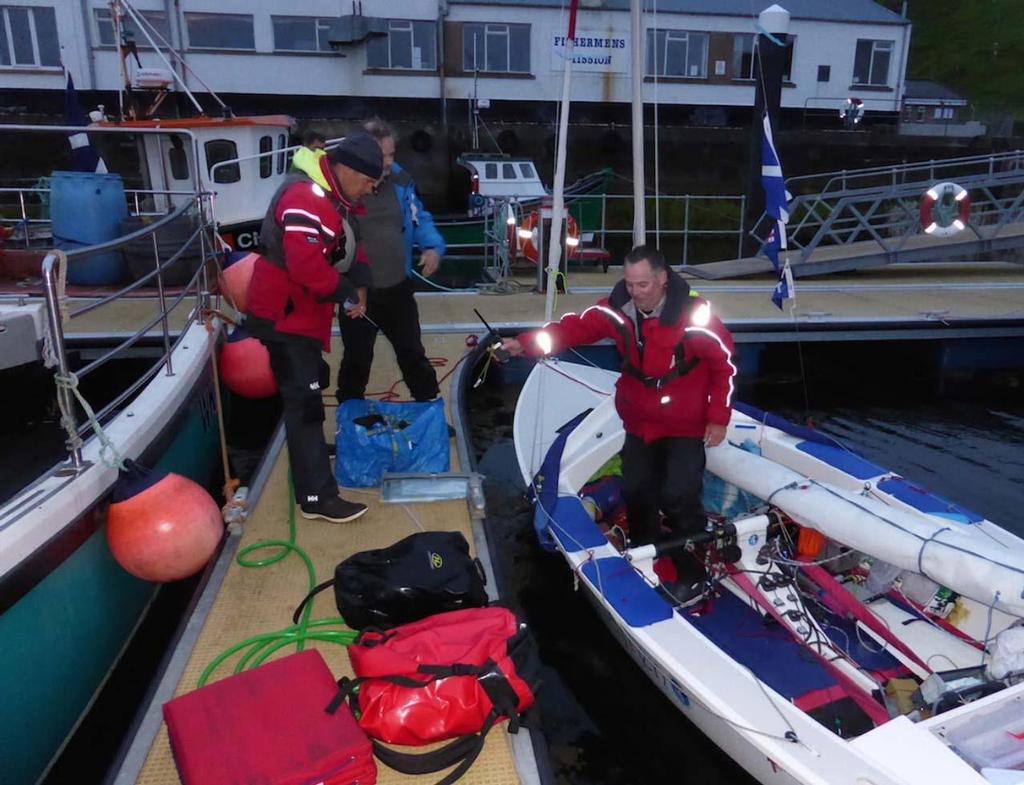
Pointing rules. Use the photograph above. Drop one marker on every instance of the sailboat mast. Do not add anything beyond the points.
(637, 76)
(558, 196)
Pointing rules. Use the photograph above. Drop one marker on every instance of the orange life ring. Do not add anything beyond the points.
(945, 209)
(527, 248)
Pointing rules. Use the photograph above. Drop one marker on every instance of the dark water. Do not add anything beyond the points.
(603, 720)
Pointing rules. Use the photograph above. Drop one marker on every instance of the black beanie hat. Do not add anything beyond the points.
(359, 151)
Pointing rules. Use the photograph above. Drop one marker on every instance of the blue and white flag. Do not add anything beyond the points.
(83, 155)
(776, 197)
(776, 201)
(784, 289)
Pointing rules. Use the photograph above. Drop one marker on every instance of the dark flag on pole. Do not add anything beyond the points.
(776, 200)
(83, 155)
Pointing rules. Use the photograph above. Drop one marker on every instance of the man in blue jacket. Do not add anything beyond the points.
(394, 222)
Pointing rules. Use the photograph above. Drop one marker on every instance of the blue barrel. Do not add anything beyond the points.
(86, 208)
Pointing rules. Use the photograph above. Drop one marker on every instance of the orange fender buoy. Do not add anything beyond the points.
(235, 278)
(244, 365)
(161, 526)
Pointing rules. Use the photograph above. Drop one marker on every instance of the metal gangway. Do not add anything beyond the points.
(851, 220)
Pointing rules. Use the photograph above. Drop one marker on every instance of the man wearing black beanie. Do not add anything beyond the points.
(310, 262)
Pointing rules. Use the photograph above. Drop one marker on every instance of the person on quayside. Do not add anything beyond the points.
(394, 223)
(310, 261)
(674, 396)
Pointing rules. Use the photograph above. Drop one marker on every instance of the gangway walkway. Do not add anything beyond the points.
(850, 220)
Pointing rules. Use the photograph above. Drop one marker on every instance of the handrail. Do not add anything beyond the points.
(152, 371)
(57, 340)
(269, 154)
(138, 283)
(138, 234)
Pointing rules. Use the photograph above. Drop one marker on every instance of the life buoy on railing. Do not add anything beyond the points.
(528, 236)
(945, 209)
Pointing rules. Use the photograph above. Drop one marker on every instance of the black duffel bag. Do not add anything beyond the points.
(424, 574)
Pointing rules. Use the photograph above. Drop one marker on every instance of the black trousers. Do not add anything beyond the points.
(666, 475)
(302, 375)
(394, 311)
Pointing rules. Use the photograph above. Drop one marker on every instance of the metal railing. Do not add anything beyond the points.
(196, 207)
(29, 215)
(683, 220)
(881, 205)
(197, 287)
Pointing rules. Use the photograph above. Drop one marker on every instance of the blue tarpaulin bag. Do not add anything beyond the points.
(374, 437)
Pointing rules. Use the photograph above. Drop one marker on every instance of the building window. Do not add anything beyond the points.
(28, 36)
(824, 73)
(220, 31)
(301, 34)
(743, 56)
(496, 48)
(266, 160)
(219, 150)
(744, 47)
(677, 53)
(105, 27)
(408, 45)
(871, 63)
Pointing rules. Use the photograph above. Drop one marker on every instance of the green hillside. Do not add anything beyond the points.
(975, 47)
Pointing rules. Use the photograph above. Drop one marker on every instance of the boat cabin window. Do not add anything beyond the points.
(491, 171)
(177, 158)
(219, 150)
(282, 142)
(266, 161)
(527, 170)
(508, 172)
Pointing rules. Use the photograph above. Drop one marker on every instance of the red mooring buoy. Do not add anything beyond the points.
(244, 365)
(161, 526)
(235, 278)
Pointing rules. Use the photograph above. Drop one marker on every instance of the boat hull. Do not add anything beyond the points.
(69, 610)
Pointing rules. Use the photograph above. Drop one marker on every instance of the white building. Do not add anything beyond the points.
(697, 52)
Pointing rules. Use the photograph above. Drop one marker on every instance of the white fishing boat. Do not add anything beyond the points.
(798, 664)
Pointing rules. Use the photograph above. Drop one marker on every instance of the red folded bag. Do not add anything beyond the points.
(453, 675)
(268, 725)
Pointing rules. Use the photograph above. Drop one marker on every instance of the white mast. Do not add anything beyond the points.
(637, 76)
(558, 196)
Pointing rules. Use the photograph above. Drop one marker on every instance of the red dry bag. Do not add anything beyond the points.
(449, 676)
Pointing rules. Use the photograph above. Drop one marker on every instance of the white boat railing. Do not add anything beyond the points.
(197, 211)
(197, 288)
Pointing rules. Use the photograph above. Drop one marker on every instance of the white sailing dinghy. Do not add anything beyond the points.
(858, 665)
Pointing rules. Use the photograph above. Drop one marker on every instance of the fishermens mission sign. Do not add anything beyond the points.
(595, 51)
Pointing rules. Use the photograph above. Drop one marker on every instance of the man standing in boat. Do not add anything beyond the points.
(394, 223)
(310, 261)
(674, 394)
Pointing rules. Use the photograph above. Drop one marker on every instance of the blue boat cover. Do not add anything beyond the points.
(629, 594)
(842, 459)
(927, 502)
(544, 488)
(770, 652)
(573, 527)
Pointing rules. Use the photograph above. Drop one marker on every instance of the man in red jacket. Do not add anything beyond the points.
(310, 262)
(674, 394)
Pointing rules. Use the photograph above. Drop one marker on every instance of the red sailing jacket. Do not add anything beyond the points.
(681, 378)
(294, 284)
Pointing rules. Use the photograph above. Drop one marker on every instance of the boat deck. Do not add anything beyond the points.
(252, 601)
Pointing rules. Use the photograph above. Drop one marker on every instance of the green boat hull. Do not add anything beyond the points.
(62, 638)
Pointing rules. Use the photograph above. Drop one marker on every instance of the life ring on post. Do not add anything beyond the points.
(528, 235)
(945, 209)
